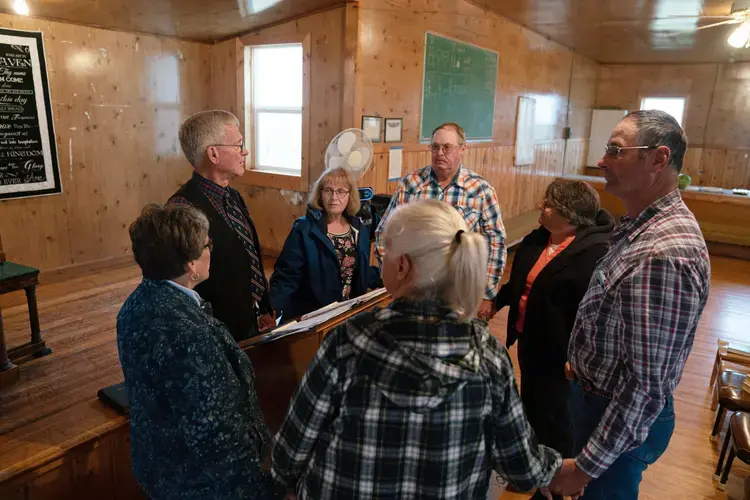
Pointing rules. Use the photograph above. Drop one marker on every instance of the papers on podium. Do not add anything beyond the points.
(310, 320)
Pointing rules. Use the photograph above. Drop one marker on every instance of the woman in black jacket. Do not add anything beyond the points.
(549, 277)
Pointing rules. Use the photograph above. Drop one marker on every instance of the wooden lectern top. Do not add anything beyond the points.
(279, 364)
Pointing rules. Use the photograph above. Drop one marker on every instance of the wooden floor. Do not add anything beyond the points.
(78, 321)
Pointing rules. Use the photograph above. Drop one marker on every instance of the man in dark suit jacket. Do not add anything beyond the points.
(237, 289)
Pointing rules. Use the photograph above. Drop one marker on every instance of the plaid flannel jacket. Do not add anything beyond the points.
(636, 324)
(473, 197)
(408, 402)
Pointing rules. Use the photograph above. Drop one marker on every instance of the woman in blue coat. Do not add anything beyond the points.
(326, 257)
(196, 428)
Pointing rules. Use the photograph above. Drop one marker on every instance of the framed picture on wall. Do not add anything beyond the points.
(393, 128)
(28, 151)
(373, 128)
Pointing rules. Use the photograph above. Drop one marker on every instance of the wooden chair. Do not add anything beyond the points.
(738, 435)
(731, 396)
(723, 357)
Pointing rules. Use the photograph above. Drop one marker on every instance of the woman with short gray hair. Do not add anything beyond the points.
(549, 277)
(196, 429)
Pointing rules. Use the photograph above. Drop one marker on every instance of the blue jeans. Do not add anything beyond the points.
(622, 479)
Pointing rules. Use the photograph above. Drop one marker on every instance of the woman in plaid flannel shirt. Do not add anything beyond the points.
(416, 400)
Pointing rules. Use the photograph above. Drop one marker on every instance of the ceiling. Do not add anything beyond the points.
(628, 31)
(608, 31)
(199, 20)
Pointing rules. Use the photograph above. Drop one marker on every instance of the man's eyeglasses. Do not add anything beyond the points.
(240, 145)
(340, 193)
(613, 150)
(210, 245)
(447, 148)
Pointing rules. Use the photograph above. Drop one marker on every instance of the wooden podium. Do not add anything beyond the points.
(279, 364)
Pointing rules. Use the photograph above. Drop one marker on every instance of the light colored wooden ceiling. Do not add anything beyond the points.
(628, 31)
(199, 20)
(608, 31)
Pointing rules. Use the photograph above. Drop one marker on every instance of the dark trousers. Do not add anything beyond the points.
(545, 395)
(623, 478)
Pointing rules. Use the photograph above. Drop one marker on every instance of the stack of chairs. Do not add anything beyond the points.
(731, 393)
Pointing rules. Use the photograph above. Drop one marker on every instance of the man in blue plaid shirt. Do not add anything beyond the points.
(448, 180)
(636, 324)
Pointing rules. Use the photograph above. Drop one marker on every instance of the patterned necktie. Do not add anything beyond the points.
(242, 228)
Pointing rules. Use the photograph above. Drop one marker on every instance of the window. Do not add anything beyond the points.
(675, 106)
(274, 95)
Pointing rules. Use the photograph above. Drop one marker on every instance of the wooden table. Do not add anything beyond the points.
(16, 277)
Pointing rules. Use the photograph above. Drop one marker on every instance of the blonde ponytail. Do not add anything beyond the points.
(450, 263)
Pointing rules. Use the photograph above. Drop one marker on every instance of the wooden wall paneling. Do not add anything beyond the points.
(728, 124)
(274, 210)
(352, 67)
(227, 73)
(715, 117)
(377, 176)
(576, 152)
(392, 39)
(713, 164)
(583, 80)
(326, 106)
(742, 175)
(623, 87)
(117, 100)
(692, 165)
(735, 170)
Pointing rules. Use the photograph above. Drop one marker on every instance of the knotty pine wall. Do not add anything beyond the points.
(717, 115)
(274, 210)
(391, 38)
(117, 100)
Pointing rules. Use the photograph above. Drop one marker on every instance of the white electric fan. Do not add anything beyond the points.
(352, 150)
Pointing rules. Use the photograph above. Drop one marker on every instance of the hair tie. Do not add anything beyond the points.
(458, 236)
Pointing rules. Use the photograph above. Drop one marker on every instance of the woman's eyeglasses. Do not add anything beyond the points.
(614, 150)
(210, 245)
(340, 193)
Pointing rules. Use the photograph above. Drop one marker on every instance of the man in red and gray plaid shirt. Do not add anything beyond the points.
(475, 199)
(635, 326)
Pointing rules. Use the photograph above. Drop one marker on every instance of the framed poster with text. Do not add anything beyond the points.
(28, 154)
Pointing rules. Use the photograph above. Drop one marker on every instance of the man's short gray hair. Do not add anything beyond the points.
(203, 129)
(657, 128)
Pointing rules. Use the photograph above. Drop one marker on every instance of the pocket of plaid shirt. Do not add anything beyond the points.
(471, 217)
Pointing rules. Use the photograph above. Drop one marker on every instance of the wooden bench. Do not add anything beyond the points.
(17, 277)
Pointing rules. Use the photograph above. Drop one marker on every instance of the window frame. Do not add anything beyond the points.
(274, 178)
(671, 96)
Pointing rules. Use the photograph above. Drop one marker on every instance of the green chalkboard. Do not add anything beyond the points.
(458, 86)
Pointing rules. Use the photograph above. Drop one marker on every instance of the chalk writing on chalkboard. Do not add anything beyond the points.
(28, 156)
(459, 85)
